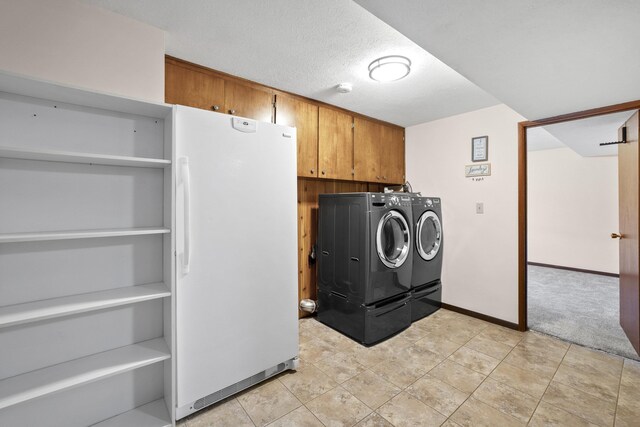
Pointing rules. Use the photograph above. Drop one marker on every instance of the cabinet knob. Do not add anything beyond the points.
(384, 177)
(215, 107)
(312, 171)
(232, 111)
(323, 172)
(377, 177)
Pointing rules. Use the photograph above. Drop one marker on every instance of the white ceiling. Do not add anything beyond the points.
(542, 58)
(308, 47)
(539, 139)
(582, 136)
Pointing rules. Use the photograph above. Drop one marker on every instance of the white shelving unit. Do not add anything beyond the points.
(86, 266)
(32, 385)
(79, 234)
(86, 158)
(152, 414)
(18, 314)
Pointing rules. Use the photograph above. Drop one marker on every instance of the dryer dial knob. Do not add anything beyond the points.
(394, 200)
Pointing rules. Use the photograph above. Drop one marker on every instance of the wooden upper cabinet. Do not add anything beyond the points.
(335, 144)
(378, 152)
(366, 150)
(303, 116)
(245, 101)
(392, 165)
(332, 144)
(185, 86)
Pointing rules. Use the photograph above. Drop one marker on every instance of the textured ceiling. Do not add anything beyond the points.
(308, 47)
(542, 58)
(582, 136)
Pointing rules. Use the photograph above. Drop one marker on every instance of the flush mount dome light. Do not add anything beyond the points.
(389, 68)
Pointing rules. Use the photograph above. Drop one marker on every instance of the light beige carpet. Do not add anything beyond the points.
(578, 307)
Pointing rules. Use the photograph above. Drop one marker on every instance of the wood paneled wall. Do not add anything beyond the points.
(308, 191)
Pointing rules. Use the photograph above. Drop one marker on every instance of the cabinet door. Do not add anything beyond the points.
(335, 144)
(392, 155)
(192, 88)
(366, 150)
(304, 116)
(245, 101)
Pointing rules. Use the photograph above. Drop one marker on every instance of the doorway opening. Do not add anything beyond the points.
(572, 209)
(568, 210)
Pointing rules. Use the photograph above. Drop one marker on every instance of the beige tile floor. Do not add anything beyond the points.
(447, 369)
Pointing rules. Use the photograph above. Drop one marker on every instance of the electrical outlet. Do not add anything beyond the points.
(479, 208)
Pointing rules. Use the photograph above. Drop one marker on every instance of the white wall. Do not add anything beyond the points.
(480, 264)
(80, 45)
(572, 210)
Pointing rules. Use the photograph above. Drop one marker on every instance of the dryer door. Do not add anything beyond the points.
(428, 235)
(393, 240)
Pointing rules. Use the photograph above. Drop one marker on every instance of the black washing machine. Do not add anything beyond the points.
(365, 262)
(426, 284)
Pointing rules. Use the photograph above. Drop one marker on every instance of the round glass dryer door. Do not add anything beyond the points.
(393, 239)
(428, 235)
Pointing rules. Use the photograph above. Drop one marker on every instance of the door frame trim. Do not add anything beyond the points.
(522, 189)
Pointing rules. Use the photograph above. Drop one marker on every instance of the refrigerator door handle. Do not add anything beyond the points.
(186, 254)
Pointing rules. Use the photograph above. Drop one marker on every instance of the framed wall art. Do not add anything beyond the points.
(480, 149)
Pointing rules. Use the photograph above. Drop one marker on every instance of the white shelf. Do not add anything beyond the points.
(81, 234)
(86, 158)
(57, 307)
(28, 86)
(32, 385)
(152, 414)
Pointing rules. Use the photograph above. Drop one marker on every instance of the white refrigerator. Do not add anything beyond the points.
(236, 248)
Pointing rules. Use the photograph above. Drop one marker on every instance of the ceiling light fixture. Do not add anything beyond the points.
(389, 68)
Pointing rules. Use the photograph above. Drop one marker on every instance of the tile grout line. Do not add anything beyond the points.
(549, 385)
(284, 415)
(340, 386)
(386, 401)
(402, 389)
(580, 391)
(389, 354)
(424, 403)
(590, 394)
(517, 367)
(321, 394)
(481, 382)
(244, 410)
(615, 411)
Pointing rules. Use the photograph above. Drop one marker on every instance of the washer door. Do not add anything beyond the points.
(393, 239)
(428, 235)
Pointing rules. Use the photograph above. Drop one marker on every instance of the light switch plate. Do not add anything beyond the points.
(479, 208)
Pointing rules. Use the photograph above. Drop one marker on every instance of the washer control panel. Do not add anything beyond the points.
(391, 200)
(398, 201)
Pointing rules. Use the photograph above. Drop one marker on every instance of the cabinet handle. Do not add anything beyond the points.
(215, 107)
(384, 177)
(323, 172)
(312, 171)
(232, 111)
(377, 177)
